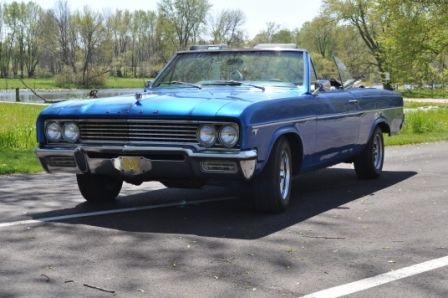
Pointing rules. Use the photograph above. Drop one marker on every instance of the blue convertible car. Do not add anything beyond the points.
(259, 115)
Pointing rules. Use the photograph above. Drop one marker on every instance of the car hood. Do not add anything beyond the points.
(171, 103)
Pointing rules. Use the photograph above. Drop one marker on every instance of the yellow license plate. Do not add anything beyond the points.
(130, 165)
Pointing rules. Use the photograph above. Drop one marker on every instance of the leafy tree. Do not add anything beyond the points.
(318, 36)
(365, 17)
(226, 27)
(91, 33)
(267, 35)
(187, 18)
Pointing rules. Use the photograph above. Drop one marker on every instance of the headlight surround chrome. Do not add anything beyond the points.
(70, 133)
(207, 135)
(228, 135)
(53, 132)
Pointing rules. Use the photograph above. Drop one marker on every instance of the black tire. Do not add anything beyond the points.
(182, 184)
(271, 190)
(369, 164)
(99, 188)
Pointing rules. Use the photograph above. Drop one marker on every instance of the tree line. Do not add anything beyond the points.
(389, 41)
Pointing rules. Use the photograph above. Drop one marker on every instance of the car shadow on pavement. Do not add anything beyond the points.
(313, 194)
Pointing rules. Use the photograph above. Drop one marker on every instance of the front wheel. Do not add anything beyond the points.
(271, 190)
(369, 164)
(99, 188)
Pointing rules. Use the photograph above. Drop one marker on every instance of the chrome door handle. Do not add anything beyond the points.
(353, 101)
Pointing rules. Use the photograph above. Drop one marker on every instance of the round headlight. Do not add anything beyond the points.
(228, 135)
(53, 131)
(207, 135)
(70, 132)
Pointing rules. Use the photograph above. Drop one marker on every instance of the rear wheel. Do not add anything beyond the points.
(271, 190)
(369, 164)
(99, 188)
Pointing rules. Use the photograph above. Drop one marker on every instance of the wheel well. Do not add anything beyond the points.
(296, 150)
(384, 127)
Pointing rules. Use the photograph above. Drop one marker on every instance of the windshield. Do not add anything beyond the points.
(273, 68)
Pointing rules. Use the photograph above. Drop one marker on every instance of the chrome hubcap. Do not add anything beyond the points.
(377, 152)
(285, 175)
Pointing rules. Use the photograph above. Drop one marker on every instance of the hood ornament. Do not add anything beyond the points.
(138, 98)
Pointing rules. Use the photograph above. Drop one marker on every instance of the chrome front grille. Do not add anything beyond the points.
(137, 131)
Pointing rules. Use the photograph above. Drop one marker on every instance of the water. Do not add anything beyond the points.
(59, 95)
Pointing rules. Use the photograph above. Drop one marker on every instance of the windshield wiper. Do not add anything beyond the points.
(184, 83)
(235, 83)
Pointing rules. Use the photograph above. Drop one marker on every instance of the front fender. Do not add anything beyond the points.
(265, 149)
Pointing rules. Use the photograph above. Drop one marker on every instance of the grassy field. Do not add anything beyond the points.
(422, 125)
(18, 138)
(13, 162)
(49, 83)
(18, 135)
(124, 83)
(425, 93)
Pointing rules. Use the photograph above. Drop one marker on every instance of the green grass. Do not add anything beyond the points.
(49, 83)
(426, 93)
(33, 83)
(124, 83)
(12, 162)
(423, 126)
(18, 138)
(18, 126)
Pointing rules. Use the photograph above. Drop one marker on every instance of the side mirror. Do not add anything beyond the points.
(321, 85)
(148, 84)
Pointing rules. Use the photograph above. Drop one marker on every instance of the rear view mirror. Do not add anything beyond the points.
(321, 85)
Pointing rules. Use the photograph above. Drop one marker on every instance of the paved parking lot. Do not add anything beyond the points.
(157, 242)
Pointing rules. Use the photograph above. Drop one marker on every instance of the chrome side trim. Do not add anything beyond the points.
(297, 120)
(322, 117)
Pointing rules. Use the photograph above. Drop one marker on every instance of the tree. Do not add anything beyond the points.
(66, 36)
(186, 16)
(91, 33)
(226, 27)
(33, 30)
(266, 35)
(364, 16)
(318, 36)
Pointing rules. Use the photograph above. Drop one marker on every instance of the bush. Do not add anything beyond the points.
(68, 79)
(65, 79)
(420, 123)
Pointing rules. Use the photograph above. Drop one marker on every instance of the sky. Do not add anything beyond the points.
(289, 14)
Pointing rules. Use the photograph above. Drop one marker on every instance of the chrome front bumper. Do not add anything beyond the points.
(167, 162)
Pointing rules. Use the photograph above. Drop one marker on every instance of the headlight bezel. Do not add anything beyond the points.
(65, 137)
(62, 127)
(221, 138)
(47, 134)
(213, 130)
(219, 141)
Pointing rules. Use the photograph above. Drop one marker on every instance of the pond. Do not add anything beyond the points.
(59, 95)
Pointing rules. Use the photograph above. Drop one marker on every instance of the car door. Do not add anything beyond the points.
(337, 125)
(338, 120)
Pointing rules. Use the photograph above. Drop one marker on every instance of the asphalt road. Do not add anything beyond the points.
(338, 230)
